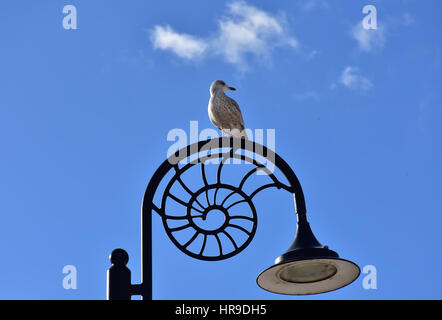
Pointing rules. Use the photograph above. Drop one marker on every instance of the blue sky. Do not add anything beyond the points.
(85, 113)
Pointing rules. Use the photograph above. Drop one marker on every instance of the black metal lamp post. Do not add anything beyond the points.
(306, 268)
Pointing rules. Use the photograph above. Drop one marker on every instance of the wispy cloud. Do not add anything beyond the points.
(374, 40)
(183, 45)
(351, 79)
(248, 30)
(245, 31)
(369, 39)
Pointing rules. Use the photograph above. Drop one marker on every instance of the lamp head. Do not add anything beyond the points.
(307, 267)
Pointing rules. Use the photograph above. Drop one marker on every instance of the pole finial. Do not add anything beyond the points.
(119, 257)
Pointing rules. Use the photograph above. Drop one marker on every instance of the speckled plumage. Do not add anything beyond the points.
(224, 112)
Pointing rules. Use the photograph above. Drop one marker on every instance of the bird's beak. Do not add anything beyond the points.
(231, 88)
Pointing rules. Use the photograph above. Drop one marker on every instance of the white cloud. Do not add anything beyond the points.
(351, 78)
(248, 30)
(244, 31)
(369, 40)
(183, 45)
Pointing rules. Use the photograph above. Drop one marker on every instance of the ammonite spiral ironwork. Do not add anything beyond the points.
(231, 229)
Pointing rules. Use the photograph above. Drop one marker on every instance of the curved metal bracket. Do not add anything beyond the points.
(206, 199)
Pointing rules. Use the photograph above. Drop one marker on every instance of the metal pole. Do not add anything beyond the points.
(146, 253)
(118, 276)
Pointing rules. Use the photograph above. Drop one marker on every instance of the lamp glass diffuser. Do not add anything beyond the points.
(310, 271)
(308, 276)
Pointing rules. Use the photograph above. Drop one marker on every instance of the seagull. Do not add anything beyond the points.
(224, 112)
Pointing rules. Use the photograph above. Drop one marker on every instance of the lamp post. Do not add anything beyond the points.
(306, 268)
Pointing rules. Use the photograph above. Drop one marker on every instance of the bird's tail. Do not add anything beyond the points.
(238, 133)
(243, 135)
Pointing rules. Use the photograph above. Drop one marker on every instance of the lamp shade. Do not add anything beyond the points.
(307, 267)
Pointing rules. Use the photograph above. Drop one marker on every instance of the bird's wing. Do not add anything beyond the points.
(212, 117)
(213, 120)
(234, 111)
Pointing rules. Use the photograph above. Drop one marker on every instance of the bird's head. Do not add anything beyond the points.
(219, 85)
